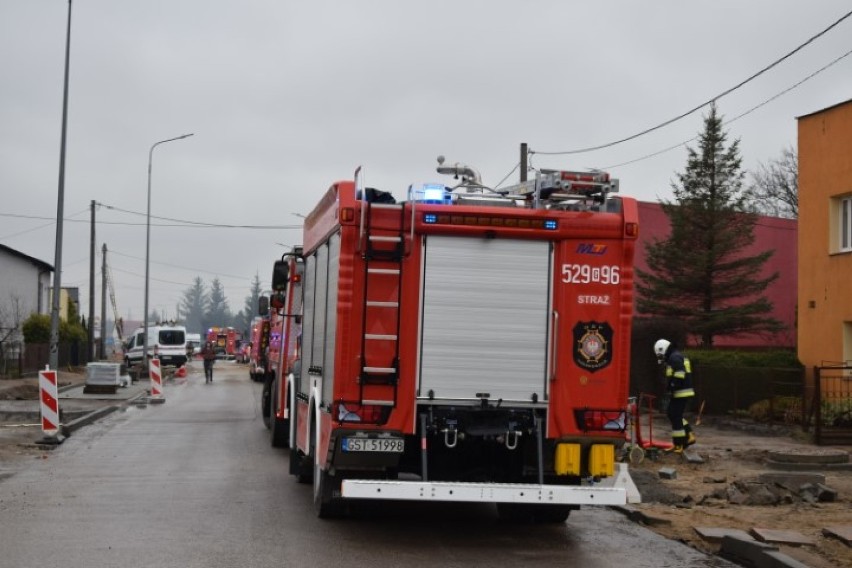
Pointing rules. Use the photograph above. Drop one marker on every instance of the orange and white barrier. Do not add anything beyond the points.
(156, 375)
(49, 395)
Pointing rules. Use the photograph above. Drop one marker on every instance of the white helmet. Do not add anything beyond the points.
(660, 348)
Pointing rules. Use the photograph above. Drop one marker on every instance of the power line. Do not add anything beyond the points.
(201, 223)
(739, 116)
(704, 104)
(217, 274)
(180, 223)
(51, 219)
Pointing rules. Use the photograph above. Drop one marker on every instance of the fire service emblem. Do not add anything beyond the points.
(592, 345)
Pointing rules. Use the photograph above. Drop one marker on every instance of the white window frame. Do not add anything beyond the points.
(844, 224)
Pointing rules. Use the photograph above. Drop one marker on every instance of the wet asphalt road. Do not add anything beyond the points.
(194, 483)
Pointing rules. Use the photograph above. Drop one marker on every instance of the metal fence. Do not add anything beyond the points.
(21, 360)
(831, 404)
(768, 394)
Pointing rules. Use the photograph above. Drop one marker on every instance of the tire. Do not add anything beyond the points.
(325, 504)
(266, 404)
(279, 429)
(300, 466)
(533, 513)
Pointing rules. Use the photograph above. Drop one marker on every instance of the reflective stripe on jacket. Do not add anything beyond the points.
(679, 375)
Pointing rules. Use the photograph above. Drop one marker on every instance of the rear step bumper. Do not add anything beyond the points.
(483, 492)
(616, 490)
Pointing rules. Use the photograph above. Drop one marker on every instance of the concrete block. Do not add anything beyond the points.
(667, 473)
(842, 533)
(716, 534)
(777, 559)
(792, 538)
(692, 457)
(825, 494)
(791, 480)
(746, 552)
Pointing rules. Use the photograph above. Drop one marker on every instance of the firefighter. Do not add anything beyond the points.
(679, 382)
(209, 356)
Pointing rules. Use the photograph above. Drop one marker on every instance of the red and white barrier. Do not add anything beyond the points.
(156, 375)
(49, 395)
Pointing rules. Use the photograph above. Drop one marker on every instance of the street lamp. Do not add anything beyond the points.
(148, 243)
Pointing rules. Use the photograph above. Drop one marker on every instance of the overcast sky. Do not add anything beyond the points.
(286, 97)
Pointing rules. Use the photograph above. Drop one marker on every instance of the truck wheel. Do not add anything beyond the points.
(266, 405)
(533, 513)
(279, 431)
(552, 514)
(326, 505)
(300, 466)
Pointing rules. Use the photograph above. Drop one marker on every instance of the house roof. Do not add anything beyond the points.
(36, 262)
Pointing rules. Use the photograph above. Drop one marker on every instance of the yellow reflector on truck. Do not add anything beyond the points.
(567, 461)
(602, 460)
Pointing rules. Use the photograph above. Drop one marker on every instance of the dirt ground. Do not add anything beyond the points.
(734, 454)
(18, 439)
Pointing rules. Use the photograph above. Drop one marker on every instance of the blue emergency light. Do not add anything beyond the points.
(433, 193)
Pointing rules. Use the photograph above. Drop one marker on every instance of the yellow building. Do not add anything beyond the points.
(825, 237)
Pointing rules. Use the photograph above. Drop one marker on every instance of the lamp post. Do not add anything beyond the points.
(148, 242)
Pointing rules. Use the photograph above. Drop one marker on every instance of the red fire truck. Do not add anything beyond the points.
(224, 340)
(466, 344)
(259, 346)
(285, 326)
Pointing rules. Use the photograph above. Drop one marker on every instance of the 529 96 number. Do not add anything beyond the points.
(587, 274)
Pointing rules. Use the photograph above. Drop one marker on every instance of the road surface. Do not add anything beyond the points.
(193, 482)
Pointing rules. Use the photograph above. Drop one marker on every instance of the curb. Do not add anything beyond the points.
(95, 415)
(87, 419)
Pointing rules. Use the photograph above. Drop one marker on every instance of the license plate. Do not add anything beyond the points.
(396, 445)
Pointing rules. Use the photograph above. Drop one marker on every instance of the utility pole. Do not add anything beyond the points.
(53, 360)
(102, 344)
(91, 342)
(524, 154)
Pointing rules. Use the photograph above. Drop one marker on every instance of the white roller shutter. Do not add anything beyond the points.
(484, 320)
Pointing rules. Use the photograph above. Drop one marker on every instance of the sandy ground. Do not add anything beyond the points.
(732, 453)
(739, 452)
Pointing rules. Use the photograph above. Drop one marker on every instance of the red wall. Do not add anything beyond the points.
(771, 233)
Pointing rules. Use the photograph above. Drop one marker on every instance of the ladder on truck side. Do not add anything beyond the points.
(382, 243)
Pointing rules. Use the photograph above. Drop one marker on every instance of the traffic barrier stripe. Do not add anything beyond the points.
(156, 379)
(49, 402)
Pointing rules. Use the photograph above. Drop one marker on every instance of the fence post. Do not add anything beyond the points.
(817, 406)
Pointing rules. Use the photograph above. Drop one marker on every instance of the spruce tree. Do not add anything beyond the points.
(218, 313)
(194, 306)
(700, 274)
(250, 309)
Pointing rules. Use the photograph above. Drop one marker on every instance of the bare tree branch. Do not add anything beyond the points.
(775, 186)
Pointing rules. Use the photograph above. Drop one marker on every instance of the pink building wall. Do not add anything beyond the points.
(771, 233)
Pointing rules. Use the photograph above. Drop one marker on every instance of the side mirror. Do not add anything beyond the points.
(280, 275)
(263, 306)
(278, 300)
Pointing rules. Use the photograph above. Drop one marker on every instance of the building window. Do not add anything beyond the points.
(840, 225)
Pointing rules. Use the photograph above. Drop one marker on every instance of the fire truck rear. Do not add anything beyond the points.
(466, 344)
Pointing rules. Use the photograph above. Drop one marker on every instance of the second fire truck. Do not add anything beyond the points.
(466, 344)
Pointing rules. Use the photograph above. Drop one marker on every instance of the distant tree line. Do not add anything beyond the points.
(203, 307)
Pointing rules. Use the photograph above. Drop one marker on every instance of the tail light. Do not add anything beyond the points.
(597, 420)
(353, 412)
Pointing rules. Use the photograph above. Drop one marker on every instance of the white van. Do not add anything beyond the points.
(170, 341)
(193, 340)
